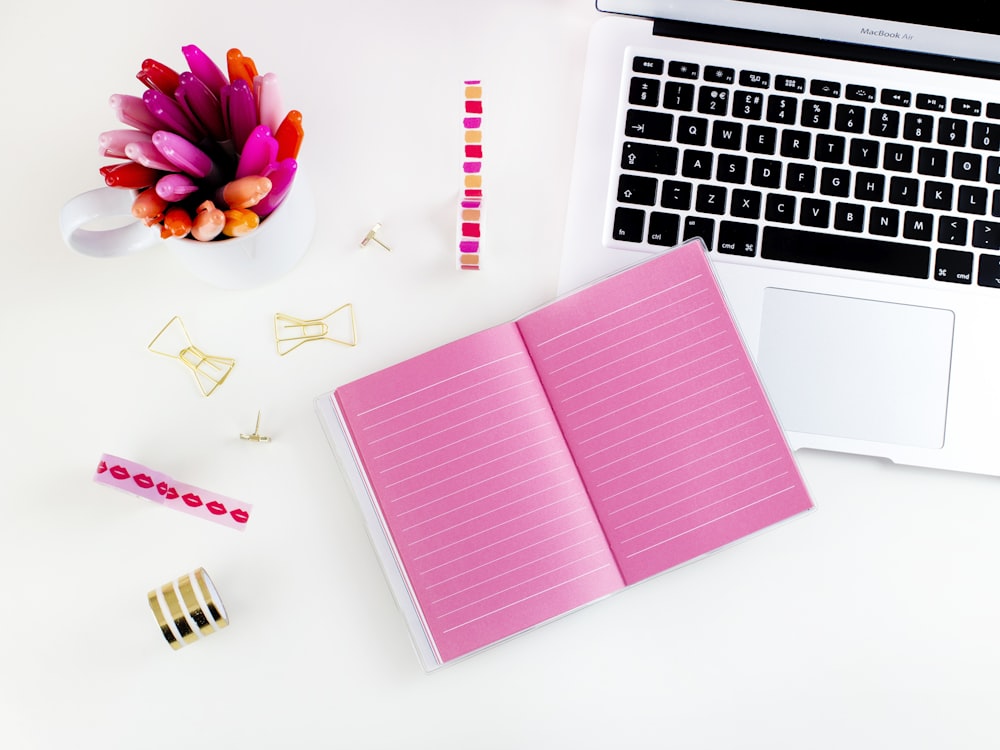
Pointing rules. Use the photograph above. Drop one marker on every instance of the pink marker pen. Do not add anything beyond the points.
(175, 186)
(200, 105)
(270, 110)
(148, 155)
(167, 111)
(259, 151)
(203, 67)
(282, 175)
(183, 154)
(131, 111)
(113, 142)
(237, 98)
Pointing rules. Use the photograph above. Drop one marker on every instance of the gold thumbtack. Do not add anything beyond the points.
(370, 237)
(255, 436)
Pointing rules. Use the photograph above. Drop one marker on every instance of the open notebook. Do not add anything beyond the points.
(521, 472)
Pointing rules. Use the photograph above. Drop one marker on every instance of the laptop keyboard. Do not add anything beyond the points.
(831, 173)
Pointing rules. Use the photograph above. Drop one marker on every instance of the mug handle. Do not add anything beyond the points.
(105, 203)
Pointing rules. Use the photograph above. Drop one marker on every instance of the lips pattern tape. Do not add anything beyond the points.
(156, 486)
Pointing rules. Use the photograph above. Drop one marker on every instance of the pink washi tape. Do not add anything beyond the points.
(156, 486)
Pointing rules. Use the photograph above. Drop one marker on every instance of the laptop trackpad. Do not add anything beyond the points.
(856, 368)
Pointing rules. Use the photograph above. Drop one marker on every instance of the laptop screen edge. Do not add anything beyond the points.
(770, 17)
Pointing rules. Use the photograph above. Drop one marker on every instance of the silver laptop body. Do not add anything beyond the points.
(844, 172)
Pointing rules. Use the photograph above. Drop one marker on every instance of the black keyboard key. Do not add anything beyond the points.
(884, 123)
(649, 157)
(793, 84)
(755, 80)
(663, 229)
(850, 118)
(644, 91)
(697, 165)
(931, 102)
(711, 199)
(654, 126)
(800, 178)
(676, 194)
(815, 213)
(969, 107)
(629, 223)
(796, 144)
(761, 139)
(835, 182)
(932, 162)
(967, 167)
(938, 195)
(637, 190)
(699, 226)
(713, 101)
(716, 74)
(648, 65)
(918, 226)
(748, 105)
(864, 153)
(727, 135)
(857, 93)
(680, 69)
(883, 222)
(780, 208)
(989, 271)
(678, 96)
(954, 266)
(816, 114)
(849, 217)
(986, 235)
(846, 252)
(692, 131)
(918, 127)
(904, 191)
(781, 109)
(895, 98)
(766, 173)
(731, 168)
(745, 204)
(829, 89)
(986, 136)
(831, 149)
(953, 230)
(952, 132)
(993, 170)
(973, 199)
(869, 186)
(898, 157)
(737, 238)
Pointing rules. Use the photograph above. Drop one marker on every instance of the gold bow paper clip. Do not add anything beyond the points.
(209, 372)
(291, 332)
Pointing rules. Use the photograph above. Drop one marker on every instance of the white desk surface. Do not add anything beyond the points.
(873, 622)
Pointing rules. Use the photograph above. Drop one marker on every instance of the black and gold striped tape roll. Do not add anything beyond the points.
(188, 608)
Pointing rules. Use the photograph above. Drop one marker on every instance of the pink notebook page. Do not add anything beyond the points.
(478, 490)
(659, 402)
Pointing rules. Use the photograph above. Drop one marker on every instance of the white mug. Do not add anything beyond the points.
(260, 256)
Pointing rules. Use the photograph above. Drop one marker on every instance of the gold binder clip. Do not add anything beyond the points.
(209, 372)
(255, 436)
(291, 332)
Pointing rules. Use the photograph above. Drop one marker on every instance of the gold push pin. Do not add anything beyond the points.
(255, 436)
(370, 237)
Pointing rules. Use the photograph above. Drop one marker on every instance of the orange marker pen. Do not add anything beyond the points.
(289, 135)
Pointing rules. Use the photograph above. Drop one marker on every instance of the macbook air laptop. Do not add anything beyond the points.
(841, 162)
